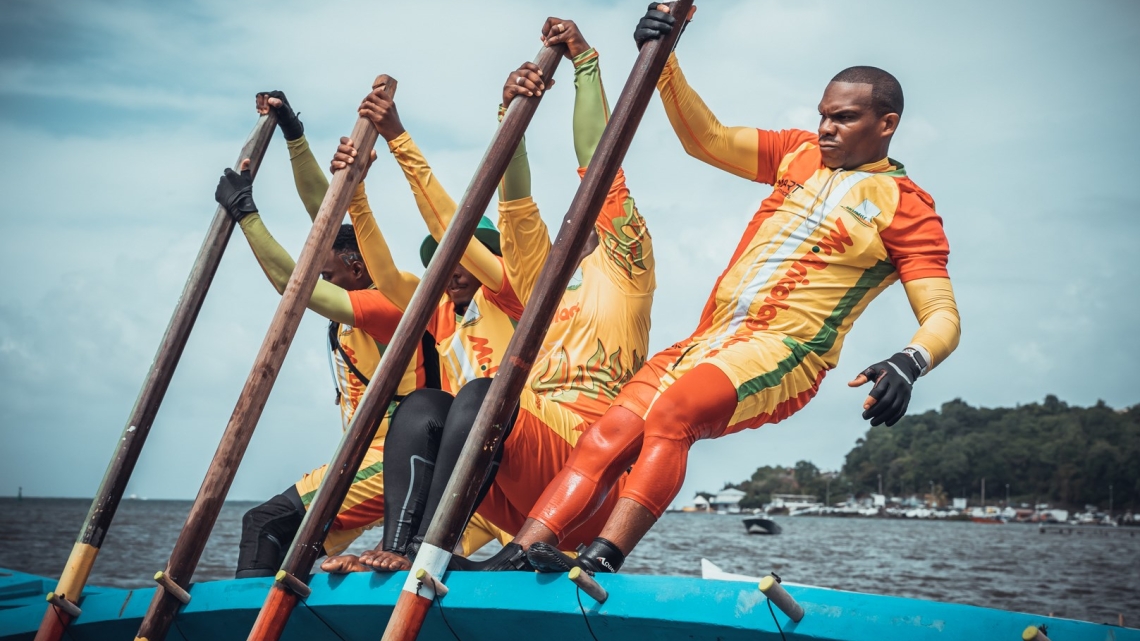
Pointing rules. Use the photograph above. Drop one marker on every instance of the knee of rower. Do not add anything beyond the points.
(470, 397)
(423, 410)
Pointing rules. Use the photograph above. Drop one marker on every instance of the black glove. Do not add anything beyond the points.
(655, 24)
(894, 378)
(288, 121)
(235, 193)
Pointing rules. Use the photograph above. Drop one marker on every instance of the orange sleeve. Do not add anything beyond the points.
(505, 299)
(773, 146)
(374, 313)
(914, 239)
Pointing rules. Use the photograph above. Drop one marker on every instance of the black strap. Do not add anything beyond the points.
(334, 343)
(427, 344)
(431, 362)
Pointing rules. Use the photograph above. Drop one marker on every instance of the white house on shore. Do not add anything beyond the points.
(727, 500)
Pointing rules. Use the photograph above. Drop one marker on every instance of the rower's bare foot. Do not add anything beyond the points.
(383, 561)
(343, 564)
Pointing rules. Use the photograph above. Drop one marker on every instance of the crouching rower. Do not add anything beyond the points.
(345, 286)
(843, 222)
(598, 340)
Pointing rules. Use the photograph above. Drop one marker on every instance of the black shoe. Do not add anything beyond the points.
(512, 558)
(599, 556)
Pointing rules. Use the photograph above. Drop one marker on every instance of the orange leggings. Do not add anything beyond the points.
(699, 405)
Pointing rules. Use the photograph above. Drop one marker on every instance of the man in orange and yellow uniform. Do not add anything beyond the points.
(843, 223)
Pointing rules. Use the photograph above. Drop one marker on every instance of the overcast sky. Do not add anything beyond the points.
(116, 120)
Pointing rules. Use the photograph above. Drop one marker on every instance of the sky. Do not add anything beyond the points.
(117, 118)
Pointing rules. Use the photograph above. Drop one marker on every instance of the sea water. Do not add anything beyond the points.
(1012, 566)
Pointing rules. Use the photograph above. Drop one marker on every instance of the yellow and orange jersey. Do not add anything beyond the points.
(821, 246)
(365, 352)
(470, 346)
(600, 334)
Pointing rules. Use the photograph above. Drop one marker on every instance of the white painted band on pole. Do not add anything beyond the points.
(588, 585)
(780, 598)
(434, 560)
(1033, 633)
(68, 608)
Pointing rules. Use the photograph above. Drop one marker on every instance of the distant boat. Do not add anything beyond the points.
(757, 525)
(989, 520)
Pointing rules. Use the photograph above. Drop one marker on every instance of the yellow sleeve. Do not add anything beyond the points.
(940, 327)
(437, 209)
(397, 286)
(327, 299)
(526, 244)
(733, 149)
(307, 175)
(480, 532)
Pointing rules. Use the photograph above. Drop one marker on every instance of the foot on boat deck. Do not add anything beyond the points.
(343, 564)
(386, 561)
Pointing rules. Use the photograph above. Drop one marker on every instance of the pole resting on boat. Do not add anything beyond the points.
(172, 588)
(776, 593)
(293, 584)
(68, 608)
(425, 577)
(1034, 633)
(588, 585)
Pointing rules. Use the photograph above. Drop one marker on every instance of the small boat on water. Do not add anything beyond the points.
(757, 525)
(517, 605)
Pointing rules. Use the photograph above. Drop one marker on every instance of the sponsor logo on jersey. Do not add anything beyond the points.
(483, 352)
(787, 186)
(864, 212)
(835, 242)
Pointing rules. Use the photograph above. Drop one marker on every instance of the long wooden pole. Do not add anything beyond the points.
(479, 450)
(192, 540)
(130, 445)
(295, 571)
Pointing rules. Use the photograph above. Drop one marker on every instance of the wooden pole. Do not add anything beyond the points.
(204, 512)
(354, 445)
(130, 445)
(463, 487)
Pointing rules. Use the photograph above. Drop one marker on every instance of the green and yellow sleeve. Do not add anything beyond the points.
(307, 175)
(437, 209)
(327, 299)
(733, 149)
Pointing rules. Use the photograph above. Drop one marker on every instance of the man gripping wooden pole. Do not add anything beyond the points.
(307, 545)
(130, 445)
(192, 540)
(486, 434)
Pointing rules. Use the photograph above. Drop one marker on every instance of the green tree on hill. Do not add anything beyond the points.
(1045, 451)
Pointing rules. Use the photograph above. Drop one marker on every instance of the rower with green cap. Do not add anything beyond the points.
(475, 318)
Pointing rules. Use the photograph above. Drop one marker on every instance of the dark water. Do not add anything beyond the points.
(1012, 567)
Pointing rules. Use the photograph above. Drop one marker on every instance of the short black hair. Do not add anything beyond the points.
(345, 243)
(886, 92)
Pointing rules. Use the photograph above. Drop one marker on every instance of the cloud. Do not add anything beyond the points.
(118, 117)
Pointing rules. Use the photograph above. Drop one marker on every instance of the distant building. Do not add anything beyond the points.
(959, 504)
(727, 500)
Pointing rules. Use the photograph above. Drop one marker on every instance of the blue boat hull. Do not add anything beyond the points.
(528, 606)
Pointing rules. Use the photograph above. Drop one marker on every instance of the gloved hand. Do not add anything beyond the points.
(290, 124)
(894, 378)
(655, 24)
(235, 192)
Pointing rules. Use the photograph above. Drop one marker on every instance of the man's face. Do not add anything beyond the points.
(850, 132)
(462, 287)
(343, 270)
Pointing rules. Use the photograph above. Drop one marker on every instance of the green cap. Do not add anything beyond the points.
(485, 233)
